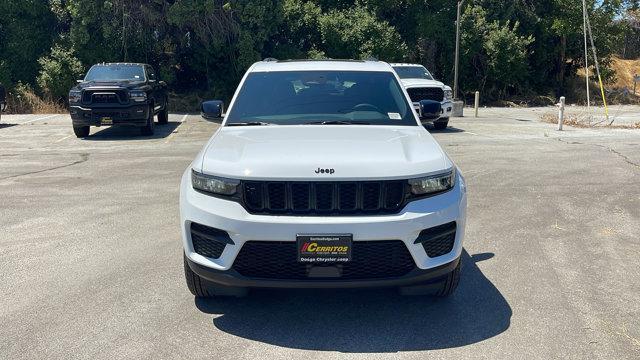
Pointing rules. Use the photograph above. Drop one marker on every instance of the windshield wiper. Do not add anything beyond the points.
(251, 123)
(337, 122)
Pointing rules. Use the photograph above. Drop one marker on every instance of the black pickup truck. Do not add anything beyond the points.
(118, 94)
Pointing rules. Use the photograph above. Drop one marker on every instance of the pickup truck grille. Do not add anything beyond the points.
(432, 93)
(277, 260)
(104, 97)
(324, 198)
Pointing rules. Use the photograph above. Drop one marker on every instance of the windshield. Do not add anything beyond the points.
(321, 97)
(115, 73)
(413, 72)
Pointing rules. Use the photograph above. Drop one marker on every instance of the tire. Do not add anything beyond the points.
(149, 128)
(81, 131)
(450, 283)
(163, 116)
(200, 287)
(441, 124)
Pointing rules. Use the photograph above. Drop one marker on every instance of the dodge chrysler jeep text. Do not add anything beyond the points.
(321, 176)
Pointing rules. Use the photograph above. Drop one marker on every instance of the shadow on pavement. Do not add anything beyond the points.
(449, 129)
(5, 125)
(132, 133)
(367, 321)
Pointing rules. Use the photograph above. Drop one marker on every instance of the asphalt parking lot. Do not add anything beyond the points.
(91, 259)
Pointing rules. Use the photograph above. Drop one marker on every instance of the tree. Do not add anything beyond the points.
(357, 33)
(496, 53)
(59, 71)
(26, 33)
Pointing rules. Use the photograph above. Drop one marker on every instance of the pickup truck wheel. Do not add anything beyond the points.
(163, 116)
(202, 288)
(149, 128)
(81, 131)
(441, 124)
(450, 284)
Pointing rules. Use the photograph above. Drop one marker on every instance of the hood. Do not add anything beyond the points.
(422, 83)
(110, 85)
(297, 152)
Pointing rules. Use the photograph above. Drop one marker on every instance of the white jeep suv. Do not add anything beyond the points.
(321, 176)
(421, 85)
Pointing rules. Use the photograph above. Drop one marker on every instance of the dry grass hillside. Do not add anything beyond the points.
(625, 70)
(619, 91)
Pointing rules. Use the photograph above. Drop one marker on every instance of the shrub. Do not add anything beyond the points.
(59, 71)
(23, 100)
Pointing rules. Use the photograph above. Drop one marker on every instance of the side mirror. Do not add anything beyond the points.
(430, 109)
(212, 110)
(79, 81)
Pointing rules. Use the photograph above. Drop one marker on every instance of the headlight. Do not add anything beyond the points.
(75, 96)
(138, 96)
(448, 94)
(433, 184)
(213, 184)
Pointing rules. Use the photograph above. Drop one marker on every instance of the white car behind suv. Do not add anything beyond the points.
(321, 175)
(421, 85)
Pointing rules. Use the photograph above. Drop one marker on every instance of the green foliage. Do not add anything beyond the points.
(26, 33)
(59, 71)
(356, 33)
(496, 52)
(508, 47)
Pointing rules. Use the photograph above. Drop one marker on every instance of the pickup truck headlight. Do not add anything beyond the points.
(213, 184)
(433, 184)
(448, 94)
(75, 96)
(138, 96)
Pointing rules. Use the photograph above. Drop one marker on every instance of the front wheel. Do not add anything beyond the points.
(81, 131)
(163, 115)
(149, 127)
(450, 283)
(441, 124)
(202, 288)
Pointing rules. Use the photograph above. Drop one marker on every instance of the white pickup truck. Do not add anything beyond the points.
(421, 85)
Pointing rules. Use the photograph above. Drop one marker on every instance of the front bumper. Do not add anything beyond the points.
(445, 113)
(243, 227)
(134, 115)
(232, 278)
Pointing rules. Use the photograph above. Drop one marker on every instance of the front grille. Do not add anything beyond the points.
(324, 198)
(207, 241)
(417, 94)
(279, 261)
(104, 97)
(438, 240)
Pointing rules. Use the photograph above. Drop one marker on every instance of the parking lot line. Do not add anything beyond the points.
(38, 119)
(64, 138)
(184, 118)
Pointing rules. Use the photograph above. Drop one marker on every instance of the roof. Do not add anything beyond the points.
(405, 64)
(310, 65)
(120, 64)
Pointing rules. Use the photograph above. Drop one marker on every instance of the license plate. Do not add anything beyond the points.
(329, 248)
(106, 121)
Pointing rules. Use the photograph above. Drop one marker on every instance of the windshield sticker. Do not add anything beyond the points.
(394, 116)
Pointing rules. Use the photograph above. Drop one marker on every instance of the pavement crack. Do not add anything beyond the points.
(83, 157)
(608, 148)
